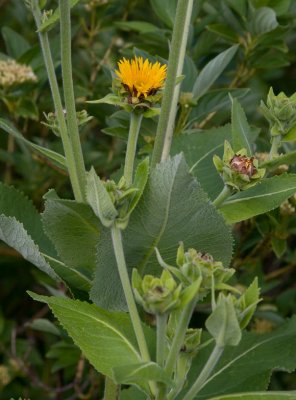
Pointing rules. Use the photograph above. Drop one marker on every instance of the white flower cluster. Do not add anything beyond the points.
(12, 73)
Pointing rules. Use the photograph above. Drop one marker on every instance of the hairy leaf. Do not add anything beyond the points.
(106, 339)
(265, 196)
(249, 364)
(161, 219)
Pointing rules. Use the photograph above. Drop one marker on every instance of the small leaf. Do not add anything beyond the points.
(138, 26)
(265, 196)
(240, 129)
(290, 136)
(140, 374)
(16, 44)
(263, 21)
(50, 22)
(165, 10)
(212, 71)
(99, 200)
(106, 339)
(57, 158)
(44, 325)
(223, 323)
(140, 180)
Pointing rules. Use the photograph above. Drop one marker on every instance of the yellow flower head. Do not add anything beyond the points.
(141, 78)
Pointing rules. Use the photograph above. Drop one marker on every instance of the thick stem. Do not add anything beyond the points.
(275, 144)
(161, 323)
(205, 373)
(179, 336)
(66, 59)
(224, 194)
(69, 154)
(112, 390)
(132, 307)
(135, 124)
(175, 65)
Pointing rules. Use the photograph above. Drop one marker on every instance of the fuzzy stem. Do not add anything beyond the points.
(66, 59)
(179, 336)
(275, 144)
(112, 390)
(224, 194)
(69, 154)
(135, 123)
(205, 373)
(175, 65)
(132, 307)
(161, 322)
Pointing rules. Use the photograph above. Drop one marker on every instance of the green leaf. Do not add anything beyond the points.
(279, 246)
(99, 200)
(140, 181)
(240, 129)
(265, 196)
(44, 325)
(249, 364)
(223, 30)
(138, 26)
(259, 396)
(223, 323)
(74, 230)
(263, 21)
(106, 339)
(16, 44)
(140, 374)
(161, 219)
(290, 136)
(15, 204)
(165, 10)
(288, 158)
(199, 148)
(212, 71)
(14, 234)
(50, 22)
(57, 158)
(132, 393)
(215, 100)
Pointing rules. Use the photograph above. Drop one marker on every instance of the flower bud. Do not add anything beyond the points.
(156, 295)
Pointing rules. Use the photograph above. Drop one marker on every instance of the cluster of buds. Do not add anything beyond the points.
(280, 111)
(157, 295)
(238, 171)
(14, 74)
(52, 121)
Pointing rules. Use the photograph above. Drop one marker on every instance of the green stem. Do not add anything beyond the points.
(205, 373)
(112, 390)
(132, 307)
(69, 154)
(135, 123)
(161, 323)
(224, 194)
(170, 96)
(179, 336)
(275, 144)
(66, 60)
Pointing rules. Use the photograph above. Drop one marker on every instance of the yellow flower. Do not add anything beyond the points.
(141, 78)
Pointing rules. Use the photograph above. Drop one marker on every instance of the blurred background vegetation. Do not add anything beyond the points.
(37, 359)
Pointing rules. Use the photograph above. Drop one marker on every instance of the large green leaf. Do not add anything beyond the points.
(199, 148)
(74, 230)
(212, 71)
(259, 396)
(13, 233)
(248, 366)
(263, 21)
(265, 196)
(106, 339)
(240, 129)
(173, 208)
